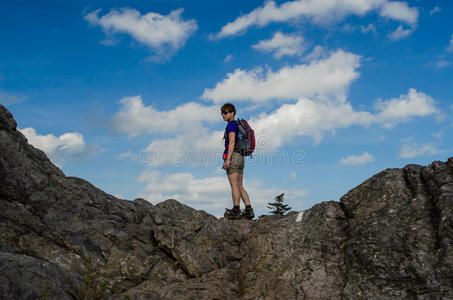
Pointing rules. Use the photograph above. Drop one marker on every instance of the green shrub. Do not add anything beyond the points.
(278, 207)
(93, 287)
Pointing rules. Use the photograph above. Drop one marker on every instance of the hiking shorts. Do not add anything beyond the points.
(237, 163)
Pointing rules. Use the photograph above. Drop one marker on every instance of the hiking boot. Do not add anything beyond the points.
(248, 213)
(232, 214)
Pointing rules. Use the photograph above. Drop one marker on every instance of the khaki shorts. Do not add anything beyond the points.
(236, 163)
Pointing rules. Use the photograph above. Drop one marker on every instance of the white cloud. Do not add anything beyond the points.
(281, 44)
(370, 27)
(194, 148)
(134, 118)
(307, 118)
(450, 45)
(9, 99)
(319, 12)
(434, 10)
(162, 34)
(211, 194)
(414, 104)
(332, 75)
(399, 11)
(317, 53)
(228, 58)
(314, 117)
(411, 149)
(357, 159)
(191, 143)
(400, 33)
(59, 149)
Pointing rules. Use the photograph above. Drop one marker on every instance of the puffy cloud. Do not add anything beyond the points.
(316, 54)
(281, 44)
(450, 45)
(194, 148)
(413, 104)
(399, 11)
(162, 34)
(190, 144)
(400, 33)
(411, 149)
(59, 149)
(357, 159)
(307, 118)
(211, 194)
(320, 12)
(332, 75)
(134, 118)
(314, 117)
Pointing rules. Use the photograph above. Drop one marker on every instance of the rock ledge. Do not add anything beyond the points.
(390, 237)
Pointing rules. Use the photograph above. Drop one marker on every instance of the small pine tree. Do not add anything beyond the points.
(279, 208)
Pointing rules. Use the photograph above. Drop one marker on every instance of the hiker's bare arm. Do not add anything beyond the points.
(231, 138)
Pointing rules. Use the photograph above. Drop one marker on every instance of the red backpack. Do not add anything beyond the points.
(245, 139)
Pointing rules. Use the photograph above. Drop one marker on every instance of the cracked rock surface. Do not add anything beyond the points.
(390, 237)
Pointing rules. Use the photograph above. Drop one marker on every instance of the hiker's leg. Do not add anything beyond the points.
(244, 194)
(233, 178)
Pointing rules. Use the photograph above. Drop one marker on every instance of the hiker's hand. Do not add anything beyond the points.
(226, 164)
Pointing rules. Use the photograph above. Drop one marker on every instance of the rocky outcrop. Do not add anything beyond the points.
(390, 237)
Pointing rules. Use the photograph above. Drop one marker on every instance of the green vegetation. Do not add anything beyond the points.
(278, 207)
(93, 287)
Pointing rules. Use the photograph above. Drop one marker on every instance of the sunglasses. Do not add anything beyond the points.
(225, 112)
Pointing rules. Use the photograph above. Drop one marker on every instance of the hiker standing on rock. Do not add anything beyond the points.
(234, 166)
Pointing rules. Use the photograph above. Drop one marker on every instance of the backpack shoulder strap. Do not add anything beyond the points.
(241, 126)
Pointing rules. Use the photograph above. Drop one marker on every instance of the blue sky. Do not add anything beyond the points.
(127, 94)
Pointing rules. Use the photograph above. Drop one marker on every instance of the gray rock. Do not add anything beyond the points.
(390, 237)
(287, 259)
(52, 224)
(400, 234)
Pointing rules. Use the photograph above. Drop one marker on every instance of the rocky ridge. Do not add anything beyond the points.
(390, 237)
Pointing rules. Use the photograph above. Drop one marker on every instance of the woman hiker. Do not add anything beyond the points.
(234, 166)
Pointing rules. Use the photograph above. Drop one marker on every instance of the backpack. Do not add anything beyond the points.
(245, 139)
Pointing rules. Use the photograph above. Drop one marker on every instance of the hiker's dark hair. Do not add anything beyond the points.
(228, 107)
